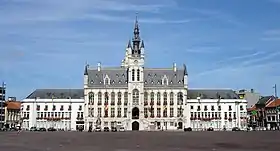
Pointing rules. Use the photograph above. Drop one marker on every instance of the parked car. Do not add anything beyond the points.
(188, 129)
(52, 129)
(106, 129)
(236, 129)
(33, 129)
(113, 129)
(42, 129)
(210, 129)
(97, 129)
(122, 129)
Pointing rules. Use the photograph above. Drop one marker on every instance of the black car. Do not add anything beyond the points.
(113, 129)
(51, 129)
(42, 129)
(106, 129)
(188, 129)
(210, 129)
(236, 129)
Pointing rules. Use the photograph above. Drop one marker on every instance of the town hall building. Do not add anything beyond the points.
(134, 96)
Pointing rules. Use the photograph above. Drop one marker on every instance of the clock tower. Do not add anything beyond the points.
(134, 55)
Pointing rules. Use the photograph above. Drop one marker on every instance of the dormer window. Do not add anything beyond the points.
(164, 80)
(123, 75)
(117, 75)
(113, 81)
(145, 82)
(91, 81)
(96, 75)
(155, 75)
(179, 81)
(152, 82)
(171, 82)
(106, 80)
(158, 82)
(120, 82)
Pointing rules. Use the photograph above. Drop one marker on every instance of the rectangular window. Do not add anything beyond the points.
(212, 108)
(99, 112)
(119, 112)
(138, 75)
(146, 112)
(171, 112)
(112, 112)
(125, 112)
(158, 112)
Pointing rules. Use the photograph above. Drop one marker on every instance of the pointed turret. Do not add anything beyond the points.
(185, 69)
(86, 69)
(129, 44)
(142, 44)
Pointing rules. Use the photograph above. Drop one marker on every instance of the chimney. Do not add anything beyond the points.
(98, 66)
(252, 90)
(174, 67)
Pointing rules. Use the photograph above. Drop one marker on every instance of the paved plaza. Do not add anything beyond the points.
(140, 141)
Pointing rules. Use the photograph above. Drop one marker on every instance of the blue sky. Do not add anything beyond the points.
(224, 43)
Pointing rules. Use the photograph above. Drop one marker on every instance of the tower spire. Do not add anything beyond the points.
(136, 38)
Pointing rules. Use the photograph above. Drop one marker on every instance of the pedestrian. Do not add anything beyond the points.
(18, 131)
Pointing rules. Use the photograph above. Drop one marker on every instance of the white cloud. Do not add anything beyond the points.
(203, 49)
(63, 10)
(246, 56)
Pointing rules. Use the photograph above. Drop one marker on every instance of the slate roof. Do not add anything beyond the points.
(212, 94)
(152, 77)
(57, 94)
(265, 99)
(118, 77)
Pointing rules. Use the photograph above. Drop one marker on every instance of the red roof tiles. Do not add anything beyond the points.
(273, 103)
(13, 105)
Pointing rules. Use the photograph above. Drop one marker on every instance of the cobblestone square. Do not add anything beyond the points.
(139, 141)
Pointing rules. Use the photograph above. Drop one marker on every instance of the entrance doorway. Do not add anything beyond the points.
(135, 126)
(180, 125)
(135, 113)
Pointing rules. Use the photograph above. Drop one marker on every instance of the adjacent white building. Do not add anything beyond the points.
(58, 108)
(218, 109)
(140, 98)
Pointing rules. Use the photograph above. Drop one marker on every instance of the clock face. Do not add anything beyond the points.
(135, 61)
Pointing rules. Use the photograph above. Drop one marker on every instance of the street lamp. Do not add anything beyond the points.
(3, 88)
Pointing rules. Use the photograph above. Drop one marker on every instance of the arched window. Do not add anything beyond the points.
(164, 96)
(158, 98)
(138, 74)
(106, 95)
(152, 96)
(135, 96)
(91, 98)
(119, 98)
(106, 81)
(165, 81)
(171, 97)
(99, 98)
(145, 96)
(113, 98)
(180, 98)
(125, 97)
(133, 74)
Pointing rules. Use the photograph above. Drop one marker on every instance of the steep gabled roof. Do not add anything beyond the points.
(274, 103)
